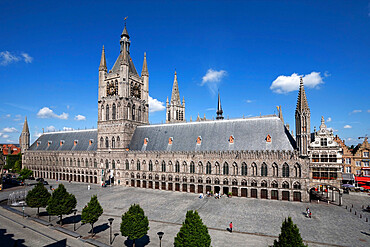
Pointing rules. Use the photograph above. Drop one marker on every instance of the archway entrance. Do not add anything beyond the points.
(225, 190)
(217, 189)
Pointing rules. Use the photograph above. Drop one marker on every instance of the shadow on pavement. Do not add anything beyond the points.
(7, 240)
(72, 219)
(60, 243)
(100, 228)
(145, 240)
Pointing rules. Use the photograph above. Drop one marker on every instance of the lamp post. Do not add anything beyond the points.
(160, 235)
(110, 226)
(74, 219)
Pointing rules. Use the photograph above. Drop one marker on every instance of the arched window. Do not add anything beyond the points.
(264, 183)
(113, 142)
(285, 185)
(200, 167)
(106, 164)
(244, 182)
(264, 170)
(139, 114)
(235, 168)
(254, 169)
(184, 179)
(192, 167)
(113, 164)
(217, 181)
(177, 166)
(274, 184)
(101, 142)
(226, 169)
(138, 165)
(127, 165)
(118, 141)
(106, 142)
(163, 166)
(254, 183)
(244, 169)
(169, 178)
(297, 186)
(235, 182)
(163, 177)
(208, 168)
(107, 113)
(95, 163)
(150, 166)
(192, 179)
(128, 110)
(133, 112)
(275, 170)
(177, 178)
(86, 163)
(78, 162)
(217, 168)
(156, 177)
(285, 170)
(297, 169)
(114, 111)
(150, 176)
(226, 181)
(208, 181)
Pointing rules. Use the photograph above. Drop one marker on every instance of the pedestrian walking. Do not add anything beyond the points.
(231, 227)
(88, 187)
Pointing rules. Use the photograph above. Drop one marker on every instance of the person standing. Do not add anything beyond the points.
(231, 227)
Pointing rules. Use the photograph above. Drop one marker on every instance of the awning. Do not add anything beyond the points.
(362, 179)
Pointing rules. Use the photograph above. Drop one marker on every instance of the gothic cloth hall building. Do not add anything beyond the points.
(250, 157)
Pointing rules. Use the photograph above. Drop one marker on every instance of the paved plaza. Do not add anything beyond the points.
(256, 222)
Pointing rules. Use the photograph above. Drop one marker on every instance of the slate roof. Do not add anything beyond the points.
(117, 64)
(82, 136)
(248, 134)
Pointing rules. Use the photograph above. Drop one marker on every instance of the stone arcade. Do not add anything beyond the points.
(249, 157)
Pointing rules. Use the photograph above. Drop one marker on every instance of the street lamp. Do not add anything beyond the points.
(110, 226)
(74, 219)
(160, 235)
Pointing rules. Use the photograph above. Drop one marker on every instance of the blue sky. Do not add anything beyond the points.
(253, 52)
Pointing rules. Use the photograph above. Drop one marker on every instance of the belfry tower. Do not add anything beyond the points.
(122, 99)
(302, 122)
(174, 109)
(24, 139)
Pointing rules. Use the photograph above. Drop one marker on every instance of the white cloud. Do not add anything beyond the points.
(285, 84)
(50, 128)
(37, 134)
(18, 117)
(7, 115)
(10, 130)
(211, 109)
(4, 136)
(368, 111)
(155, 105)
(328, 120)
(67, 128)
(10, 141)
(27, 58)
(80, 118)
(249, 101)
(7, 57)
(356, 111)
(331, 129)
(212, 79)
(347, 126)
(46, 112)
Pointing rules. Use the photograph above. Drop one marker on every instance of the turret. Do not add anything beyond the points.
(219, 109)
(145, 79)
(102, 74)
(175, 110)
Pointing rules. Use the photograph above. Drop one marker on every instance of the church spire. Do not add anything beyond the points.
(25, 126)
(125, 33)
(175, 97)
(144, 71)
(103, 62)
(219, 109)
(302, 104)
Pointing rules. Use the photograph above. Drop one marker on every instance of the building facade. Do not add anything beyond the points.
(250, 157)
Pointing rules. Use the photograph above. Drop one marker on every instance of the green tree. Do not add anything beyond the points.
(134, 223)
(92, 212)
(61, 202)
(17, 166)
(38, 197)
(193, 232)
(289, 236)
(25, 173)
(11, 159)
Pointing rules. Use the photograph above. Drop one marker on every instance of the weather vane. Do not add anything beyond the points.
(125, 19)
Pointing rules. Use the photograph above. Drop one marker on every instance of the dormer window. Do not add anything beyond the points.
(170, 140)
(146, 140)
(49, 143)
(75, 142)
(91, 141)
(199, 140)
(38, 143)
(61, 142)
(268, 138)
(231, 139)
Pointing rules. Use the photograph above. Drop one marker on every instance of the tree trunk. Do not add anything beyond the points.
(92, 229)
(38, 212)
(133, 245)
(60, 220)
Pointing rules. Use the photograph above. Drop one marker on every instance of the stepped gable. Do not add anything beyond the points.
(82, 137)
(247, 134)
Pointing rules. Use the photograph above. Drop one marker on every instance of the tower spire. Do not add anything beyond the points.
(103, 62)
(219, 108)
(144, 71)
(25, 126)
(24, 139)
(302, 104)
(175, 97)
